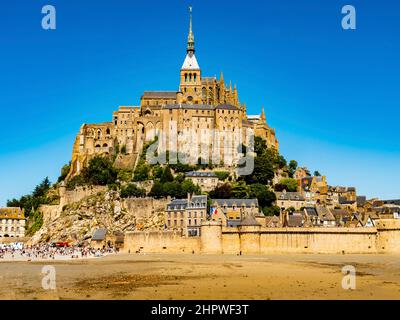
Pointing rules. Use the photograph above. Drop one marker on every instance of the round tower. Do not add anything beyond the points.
(211, 237)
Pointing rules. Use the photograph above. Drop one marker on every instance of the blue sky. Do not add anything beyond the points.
(332, 95)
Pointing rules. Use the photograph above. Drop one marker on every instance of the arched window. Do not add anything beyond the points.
(108, 131)
(186, 76)
(204, 93)
(195, 77)
(190, 77)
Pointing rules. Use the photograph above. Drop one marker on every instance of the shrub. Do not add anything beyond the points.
(222, 175)
(287, 184)
(271, 211)
(100, 171)
(132, 191)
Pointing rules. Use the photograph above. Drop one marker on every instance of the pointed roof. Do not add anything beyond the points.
(250, 221)
(190, 62)
(190, 44)
(262, 116)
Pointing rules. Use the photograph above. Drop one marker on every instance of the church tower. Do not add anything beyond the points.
(190, 82)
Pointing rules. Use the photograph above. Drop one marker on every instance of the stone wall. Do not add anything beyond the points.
(216, 239)
(160, 242)
(144, 208)
(388, 237)
(71, 196)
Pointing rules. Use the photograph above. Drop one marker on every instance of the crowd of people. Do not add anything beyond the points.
(50, 252)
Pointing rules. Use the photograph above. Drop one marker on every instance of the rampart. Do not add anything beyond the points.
(215, 239)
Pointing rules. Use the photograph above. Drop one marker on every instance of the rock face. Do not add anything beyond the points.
(77, 221)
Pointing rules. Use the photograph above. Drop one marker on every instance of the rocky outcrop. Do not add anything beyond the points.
(77, 221)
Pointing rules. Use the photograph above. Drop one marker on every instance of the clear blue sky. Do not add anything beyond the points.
(332, 95)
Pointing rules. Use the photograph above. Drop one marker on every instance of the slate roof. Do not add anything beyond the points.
(99, 234)
(311, 211)
(160, 94)
(237, 202)
(293, 196)
(295, 221)
(201, 174)
(182, 204)
(250, 220)
(189, 106)
(324, 213)
(177, 204)
(396, 201)
(198, 202)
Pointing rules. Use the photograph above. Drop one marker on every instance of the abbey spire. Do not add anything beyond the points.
(190, 44)
(190, 62)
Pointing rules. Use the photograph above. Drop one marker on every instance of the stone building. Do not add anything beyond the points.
(231, 212)
(186, 215)
(286, 200)
(200, 104)
(12, 222)
(205, 179)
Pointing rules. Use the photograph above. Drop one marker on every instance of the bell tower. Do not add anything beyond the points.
(190, 75)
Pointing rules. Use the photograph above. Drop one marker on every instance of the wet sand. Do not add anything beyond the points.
(199, 277)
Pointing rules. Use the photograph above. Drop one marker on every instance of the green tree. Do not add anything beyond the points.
(240, 190)
(64, 172)
(266, 162)
(124, 175)
(31, 202)
(132, 191)
(189, 187)
(100, 171)
(173, 189)
(141, 172)
(287, 184)
(222, 175)
(292, 167)
(157, 172)
(167, 175)
(157, 190)
(75, 181)
(317, 174)
(271, 211)
(221, 192)
(264, 196)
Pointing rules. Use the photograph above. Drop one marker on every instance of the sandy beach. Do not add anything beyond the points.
(134, 276)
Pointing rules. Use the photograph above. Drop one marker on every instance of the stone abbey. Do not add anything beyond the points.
(200, 103)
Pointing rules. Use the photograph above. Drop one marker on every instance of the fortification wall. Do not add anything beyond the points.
(71, 196)
(50, 212)
(144, 208)
(253, 240)
(256, 240)
(160, 242)
(388, 237)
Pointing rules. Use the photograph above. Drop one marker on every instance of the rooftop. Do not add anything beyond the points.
(235, 202)
(200, 174)
(99, 234)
